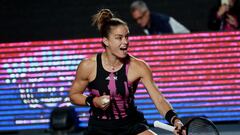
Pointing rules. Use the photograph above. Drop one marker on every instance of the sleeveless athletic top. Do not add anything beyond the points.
(117, 86)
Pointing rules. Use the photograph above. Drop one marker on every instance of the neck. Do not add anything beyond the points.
(112, 62)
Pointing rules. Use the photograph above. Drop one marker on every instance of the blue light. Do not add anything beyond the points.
(24, 127)
(13, 107)
(7, 123)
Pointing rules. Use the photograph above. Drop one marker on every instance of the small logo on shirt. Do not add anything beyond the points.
(108, 78)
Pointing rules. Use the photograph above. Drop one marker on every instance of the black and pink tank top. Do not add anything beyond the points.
(117, 86)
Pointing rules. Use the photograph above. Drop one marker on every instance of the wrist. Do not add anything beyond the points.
(171, 116)
(89, 101)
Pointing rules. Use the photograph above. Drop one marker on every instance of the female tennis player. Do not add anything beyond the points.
(112, 78)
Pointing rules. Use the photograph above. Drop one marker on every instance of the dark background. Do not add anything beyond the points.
(31, 20)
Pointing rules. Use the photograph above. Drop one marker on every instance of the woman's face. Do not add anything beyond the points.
(117, 41)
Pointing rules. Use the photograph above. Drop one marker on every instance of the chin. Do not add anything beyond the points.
(122, 56)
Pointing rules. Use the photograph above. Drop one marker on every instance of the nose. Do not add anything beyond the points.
(125, 40)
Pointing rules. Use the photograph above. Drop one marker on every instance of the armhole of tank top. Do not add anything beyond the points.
(98, 59)
(126, 72)
(99, 64)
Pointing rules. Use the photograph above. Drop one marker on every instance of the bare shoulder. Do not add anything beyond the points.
(139, 66)
(87, 65)
(137, 63)
(88, 61)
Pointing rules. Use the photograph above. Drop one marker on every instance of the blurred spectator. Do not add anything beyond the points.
(224, 17)
(154, 23)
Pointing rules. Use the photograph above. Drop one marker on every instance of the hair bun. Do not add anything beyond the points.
(101, 17)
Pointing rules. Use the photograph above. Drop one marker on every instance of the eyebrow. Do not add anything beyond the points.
(121, 34)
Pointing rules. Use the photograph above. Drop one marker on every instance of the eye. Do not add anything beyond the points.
(126, 37)
(119, 38)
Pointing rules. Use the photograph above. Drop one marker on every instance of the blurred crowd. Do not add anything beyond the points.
(225, 16)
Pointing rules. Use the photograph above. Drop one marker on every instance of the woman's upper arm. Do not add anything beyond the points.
(159, 100)
(147, 78)
(81, 80)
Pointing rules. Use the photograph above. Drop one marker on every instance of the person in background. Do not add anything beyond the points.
(154, 23)
(224, 17)
(112, 78)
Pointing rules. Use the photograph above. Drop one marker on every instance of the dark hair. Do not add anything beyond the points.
(104, 20)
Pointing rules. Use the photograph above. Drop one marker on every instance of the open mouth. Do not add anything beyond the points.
(123, 48)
